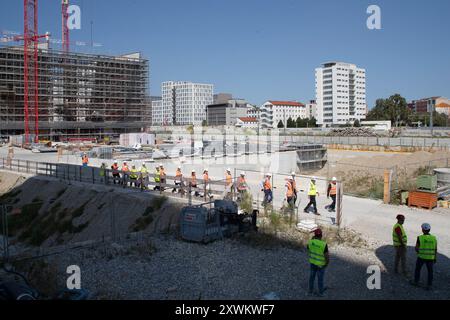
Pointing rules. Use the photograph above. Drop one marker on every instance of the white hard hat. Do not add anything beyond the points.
(115, 161)
(268, 174)
(160, 164)
(426, 227)
(313, 178)
(206, 169)
(229, 170)
(334, 179)
(179, 167)
(242, 173)
(293, 173)
(193, 171)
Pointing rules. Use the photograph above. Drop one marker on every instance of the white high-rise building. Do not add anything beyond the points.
(340, 93)
(184, 102)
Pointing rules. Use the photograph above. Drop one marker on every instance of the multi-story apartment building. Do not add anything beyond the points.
(439, 104)
(272, 112)
(157, 112)
(184, 102)
(340, 93)
(227, 113)
(311, 109)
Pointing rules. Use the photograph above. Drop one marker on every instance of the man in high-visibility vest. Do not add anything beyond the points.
(426, 248)
(294, 186)
(241, 183)
(178, 180)
(102, 173)
(85, 160)
(157, 179)
(162, 174)
(143, 177)
(312, 193)
(115, 172)
(193, 182)
(290, 192)
(331, 192)
(133, 176)
(400, 241)
(206, 185)
(267, 189)
(318, 259)
(125, 174)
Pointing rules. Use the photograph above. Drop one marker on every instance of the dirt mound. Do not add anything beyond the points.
(56, 213)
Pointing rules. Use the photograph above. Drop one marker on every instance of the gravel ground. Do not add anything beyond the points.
(167, 268)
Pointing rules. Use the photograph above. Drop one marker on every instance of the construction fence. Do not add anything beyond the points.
(372, 141)
(213, 189)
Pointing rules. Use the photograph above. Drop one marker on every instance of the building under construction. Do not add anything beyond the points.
(79, 95)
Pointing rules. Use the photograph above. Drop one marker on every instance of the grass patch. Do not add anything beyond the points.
(23, 220)
(158, 202)
(79, 211)
(141, 223)
(54, 222)
(7, 197)
(60, 193)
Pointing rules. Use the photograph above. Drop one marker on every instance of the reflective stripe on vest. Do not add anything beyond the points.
(427, 247)
(395, 238)
(316, 250)
(333, 189)
(312, 189)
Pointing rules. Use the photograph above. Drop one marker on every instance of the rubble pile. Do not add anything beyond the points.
(353, 132)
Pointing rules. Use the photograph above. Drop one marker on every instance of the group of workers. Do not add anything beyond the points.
(139, 177)
(425, 247)
(291, 193)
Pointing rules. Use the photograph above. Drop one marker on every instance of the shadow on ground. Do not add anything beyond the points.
(399, 285)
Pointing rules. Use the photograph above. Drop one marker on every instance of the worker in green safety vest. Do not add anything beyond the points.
(312, 193)
(133, 176)
(426, 248)
(157, 179)
(144, 177)
(319, 259)
(400, 241)
(102, 172)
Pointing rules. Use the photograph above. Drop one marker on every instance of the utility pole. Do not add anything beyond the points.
(431, 110)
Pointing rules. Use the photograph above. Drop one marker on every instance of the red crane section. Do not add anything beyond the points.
(31, 75)
(65, 28)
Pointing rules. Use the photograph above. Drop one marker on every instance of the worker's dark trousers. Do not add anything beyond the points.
(400, 258)
(320, 272)
(419, 264)
(268, 196)
(116, 178)
(333, 204)
(312, 202)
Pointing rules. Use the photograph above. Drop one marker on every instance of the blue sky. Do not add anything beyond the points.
(266, 49)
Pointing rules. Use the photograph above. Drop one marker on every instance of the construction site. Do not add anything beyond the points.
(184, 213)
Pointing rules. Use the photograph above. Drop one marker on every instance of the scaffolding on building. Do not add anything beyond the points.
(80, 95)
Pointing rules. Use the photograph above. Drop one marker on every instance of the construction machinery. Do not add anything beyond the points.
(204, 224)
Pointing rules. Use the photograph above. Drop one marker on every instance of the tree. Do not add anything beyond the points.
(394, 109)
(312, 122)
(291, 123)
(280, 125)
